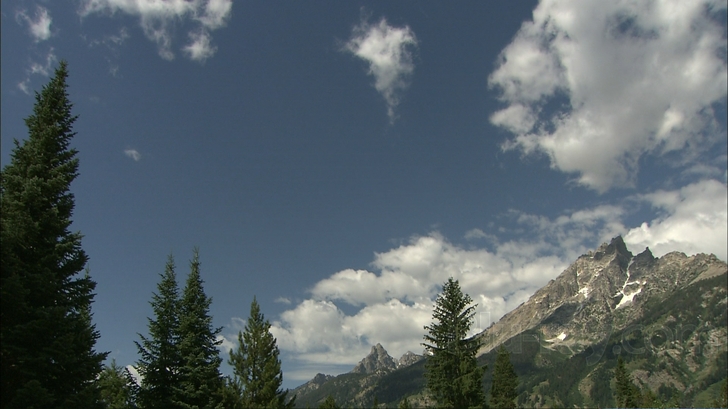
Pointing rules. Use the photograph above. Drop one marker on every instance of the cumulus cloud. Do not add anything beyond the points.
(395, 301)
(40, 26)
(159, 18)
(387, 50)
(392, 302)
(694, 219)
(134, 154)
(626, 78)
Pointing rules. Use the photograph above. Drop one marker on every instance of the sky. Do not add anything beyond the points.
(340, 160)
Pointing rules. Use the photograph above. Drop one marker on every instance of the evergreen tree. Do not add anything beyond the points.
(116, 387)
(503, 390)
(627, 395)
(256, 365)
(160, 363)
(404, 404)
(47, 338)
(329, 403)
(200, 381)
(451, 370)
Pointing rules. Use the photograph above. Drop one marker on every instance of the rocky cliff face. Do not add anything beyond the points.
(601, 292)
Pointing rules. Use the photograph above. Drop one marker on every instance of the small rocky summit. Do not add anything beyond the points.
(408, 359)
(378, 360)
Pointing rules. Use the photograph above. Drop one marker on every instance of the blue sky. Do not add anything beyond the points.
(340, 160)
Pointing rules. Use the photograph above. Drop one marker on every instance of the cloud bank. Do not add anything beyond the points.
(595, 85)
(387, 50)
(393, 301)
(158, 19)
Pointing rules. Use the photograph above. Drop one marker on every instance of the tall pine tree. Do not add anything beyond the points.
(47, 338)
(505, 381)
(256, 365)
(627, 395)
(451, 370)
(200, 383)
(117, 387)
(160, 363)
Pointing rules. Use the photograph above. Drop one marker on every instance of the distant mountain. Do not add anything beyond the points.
(667, 317)
(354, 387)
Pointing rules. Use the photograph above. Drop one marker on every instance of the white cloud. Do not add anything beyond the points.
(387, 50)
(200, 48)
(40, 26)
(635, 78)
(134, 154)
(282, 300)
(694, 220)
(396, 302)
(158, 19)
(393, 302)
(37, 68)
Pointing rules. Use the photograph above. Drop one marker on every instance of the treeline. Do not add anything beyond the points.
(48, 349)
(180, 359)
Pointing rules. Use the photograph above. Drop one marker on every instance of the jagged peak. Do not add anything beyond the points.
(377, 360)
(615, 246)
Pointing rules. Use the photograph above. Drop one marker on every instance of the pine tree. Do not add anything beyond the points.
(117, 390)
(256, 365)
(201, 383)
(451, 370)
(503, 390)
(627, 395)
(404, 404)
(329, 403)
(160, 363)
(48, 340)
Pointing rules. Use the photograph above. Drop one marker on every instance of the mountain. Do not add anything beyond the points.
(665, 316)
(354, 387)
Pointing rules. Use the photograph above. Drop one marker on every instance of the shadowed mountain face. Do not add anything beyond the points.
(665, 316)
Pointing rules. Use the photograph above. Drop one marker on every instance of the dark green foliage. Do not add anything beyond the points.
(232, 395)
(200, 382)
(160, 362)
(256, 365)
(180, 362)
(48, 340)
(329, 403)
(503, 391)
(626, 393)
(452, 373)
(404, 404)
(116, 387)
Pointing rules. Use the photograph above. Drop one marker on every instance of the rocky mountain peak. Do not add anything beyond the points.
(408, 359)
(599, 292)
(378, 360)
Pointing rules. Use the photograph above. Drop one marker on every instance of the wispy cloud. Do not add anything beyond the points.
(134, 154)
(40, 26)
(387, 49)
(283, 300)
(158, 18)
(38, 68)
(631, 78)
(200, 48)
